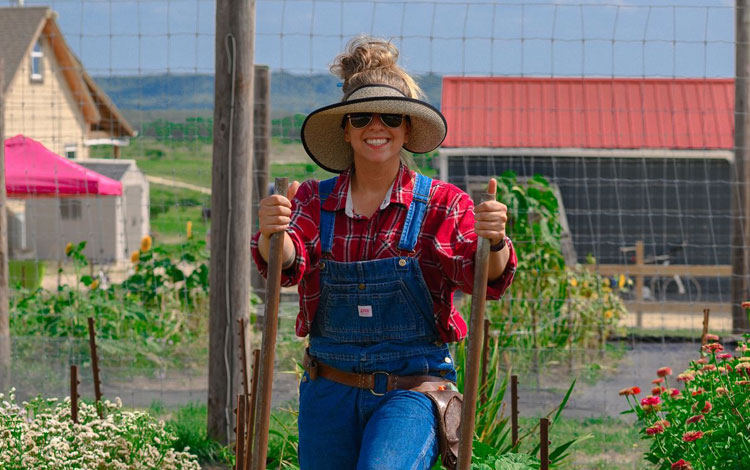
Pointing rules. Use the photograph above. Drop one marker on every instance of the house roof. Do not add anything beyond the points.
(19, 29)
(601, 113)
(115, 170)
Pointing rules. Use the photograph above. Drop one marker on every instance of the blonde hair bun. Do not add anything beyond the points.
(367, 61)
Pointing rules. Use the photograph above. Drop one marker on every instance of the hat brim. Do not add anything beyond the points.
(323, 136)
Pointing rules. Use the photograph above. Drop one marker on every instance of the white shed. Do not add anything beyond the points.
(112, 226)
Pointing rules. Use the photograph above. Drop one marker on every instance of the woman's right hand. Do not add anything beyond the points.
(275, 211)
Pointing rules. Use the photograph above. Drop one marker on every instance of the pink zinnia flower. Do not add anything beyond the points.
(664, 371)
(673, 392)
(721, 391)
(724, 356)
(658, 390)
(691, 436)
(708, 367)
(685, 377)
(711, 337)
(746, 304)
(707, 407)
(650, 401)
(694, 419)
(681, 465)
(657, 381)
(664, 423)
(655, 429)
(702, 360)
(713, 347)
(630, 391)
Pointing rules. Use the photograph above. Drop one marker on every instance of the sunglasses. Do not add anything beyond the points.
(362, 120)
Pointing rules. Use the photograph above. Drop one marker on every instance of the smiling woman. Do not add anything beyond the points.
(378, 252)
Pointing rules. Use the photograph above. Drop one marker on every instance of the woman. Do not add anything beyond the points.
(378, 253)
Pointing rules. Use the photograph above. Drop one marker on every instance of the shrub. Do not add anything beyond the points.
(698, 419)
(41, 435)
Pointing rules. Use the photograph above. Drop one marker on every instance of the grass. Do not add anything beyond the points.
(615, 443)
(172, 208)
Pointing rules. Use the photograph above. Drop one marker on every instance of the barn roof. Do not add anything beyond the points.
(589, 113)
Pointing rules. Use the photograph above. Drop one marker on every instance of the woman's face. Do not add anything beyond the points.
(376, 142)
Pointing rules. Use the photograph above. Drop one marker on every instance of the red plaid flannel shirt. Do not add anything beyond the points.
(445, 248)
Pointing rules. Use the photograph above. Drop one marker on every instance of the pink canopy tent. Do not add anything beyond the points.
(31, 170)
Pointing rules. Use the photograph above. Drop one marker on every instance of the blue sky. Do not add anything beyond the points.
(510, 38)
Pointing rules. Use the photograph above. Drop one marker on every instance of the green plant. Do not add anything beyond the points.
(550, 304)
(704, 425)
(188, 425)
(41, 435)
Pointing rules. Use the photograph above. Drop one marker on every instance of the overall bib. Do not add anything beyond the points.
(373, 317)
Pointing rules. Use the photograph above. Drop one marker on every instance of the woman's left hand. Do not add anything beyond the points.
(490, 217)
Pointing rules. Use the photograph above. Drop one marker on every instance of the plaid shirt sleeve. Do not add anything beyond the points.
(455, 245)
(303, 230)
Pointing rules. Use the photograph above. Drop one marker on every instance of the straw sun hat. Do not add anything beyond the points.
(323, 136)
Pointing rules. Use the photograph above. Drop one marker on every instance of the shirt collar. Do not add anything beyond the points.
(401, 191)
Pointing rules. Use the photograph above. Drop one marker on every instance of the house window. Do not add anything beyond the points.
(36, 62)
(70, 209)
(70, 151)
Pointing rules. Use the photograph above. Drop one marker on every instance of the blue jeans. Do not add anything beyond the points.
(348, 428)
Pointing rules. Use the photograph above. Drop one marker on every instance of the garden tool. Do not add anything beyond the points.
(270, 326)
(474, 356)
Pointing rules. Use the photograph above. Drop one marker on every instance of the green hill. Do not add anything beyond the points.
(175, 97)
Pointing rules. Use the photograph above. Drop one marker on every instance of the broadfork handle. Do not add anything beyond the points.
(270, 326)
(474, 356)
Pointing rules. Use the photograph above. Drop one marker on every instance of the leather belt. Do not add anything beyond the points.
(419, 383)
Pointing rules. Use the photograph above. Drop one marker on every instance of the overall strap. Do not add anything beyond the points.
(417, 210)
(327, 218)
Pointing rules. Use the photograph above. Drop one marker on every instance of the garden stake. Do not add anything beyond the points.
(544, 443)
(705, 327)
(473, 358)
(95, 368)
(485, 361)
(514, 409)
(251, 410)
(270, 325)
(74, 393)
(243, 356)
(239, 432)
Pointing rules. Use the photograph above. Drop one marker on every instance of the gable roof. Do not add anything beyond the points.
(19, 29)
(601, 113)
(111, 169)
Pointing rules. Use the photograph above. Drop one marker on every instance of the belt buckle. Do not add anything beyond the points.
(372, 390)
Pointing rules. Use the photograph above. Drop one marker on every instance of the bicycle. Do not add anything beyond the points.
(664, 287)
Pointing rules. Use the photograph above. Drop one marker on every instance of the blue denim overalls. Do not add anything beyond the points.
(373, 316)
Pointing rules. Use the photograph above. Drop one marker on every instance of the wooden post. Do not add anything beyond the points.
(741, 178)
(231, 178)
(4, 302)
(74, 393)
(262, 152)
(243, 357)
(705, 327)
(544, 443)
(514, 410)
(239, 444)
(95, 367)
(251, 410)
(485, 362)
(268, 347)
(639, 284)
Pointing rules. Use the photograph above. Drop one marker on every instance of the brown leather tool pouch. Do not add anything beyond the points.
(448, 406)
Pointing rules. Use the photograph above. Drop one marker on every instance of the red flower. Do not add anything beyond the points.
(673, 392)
(658, 390)
(713, 347)
(746, 304)
(724, 356)
(697, 391)
(702, 360)
(663, 422)
(650, 401)
(694, 419)
(707, 407)
(630, 391)
(657, 381)
(711, 337)
(664, 371)
(681, 465)
(691, 436)
(655, 429)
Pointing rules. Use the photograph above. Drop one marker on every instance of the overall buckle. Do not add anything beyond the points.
(374, 375)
